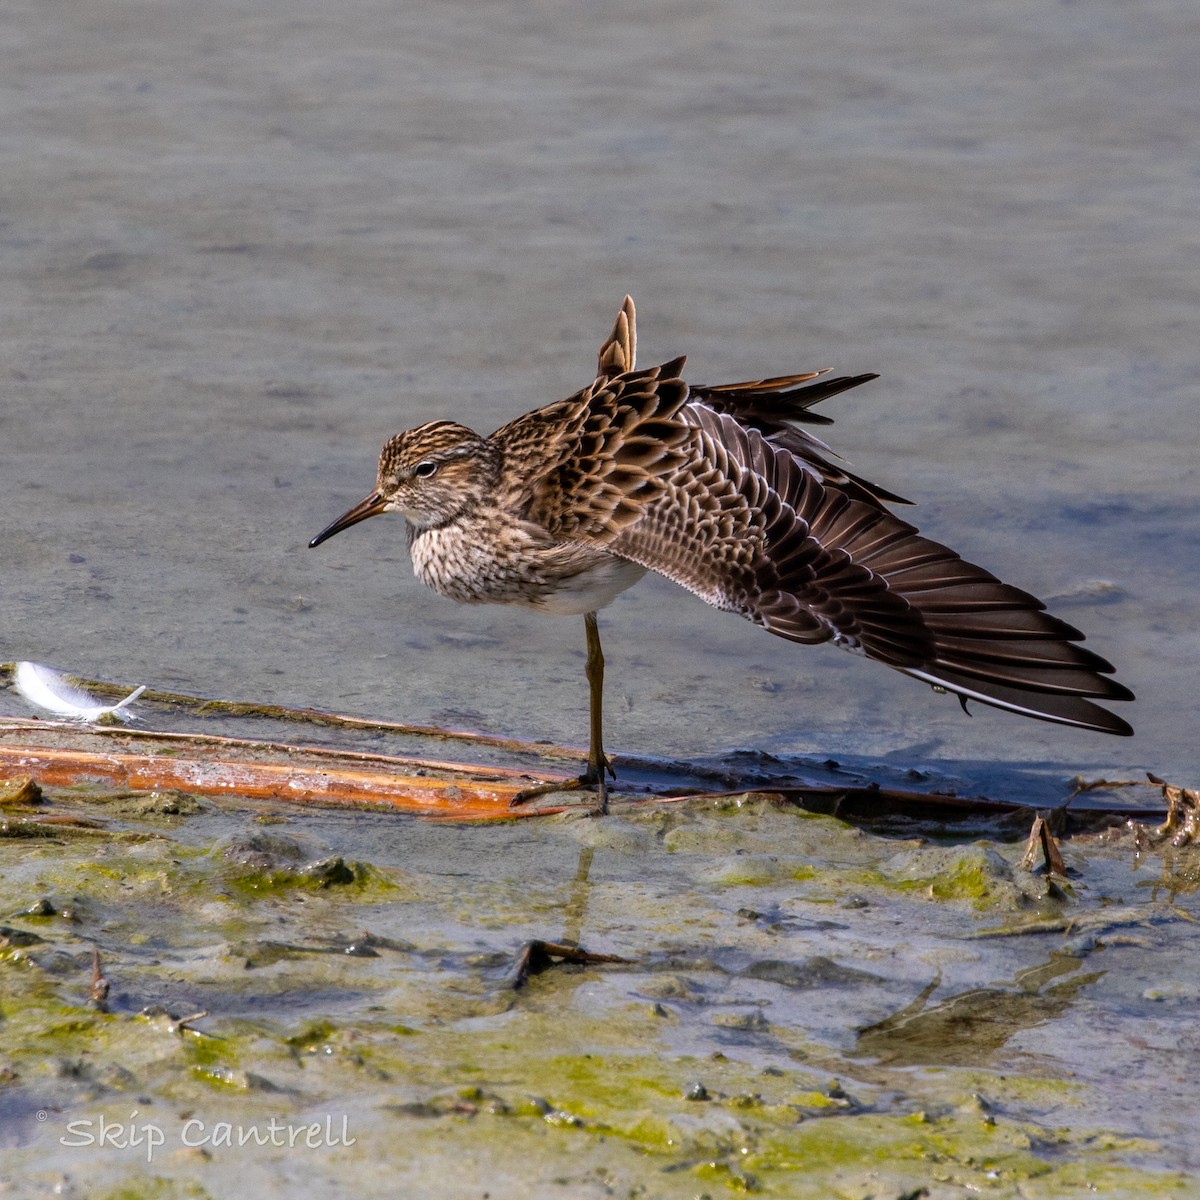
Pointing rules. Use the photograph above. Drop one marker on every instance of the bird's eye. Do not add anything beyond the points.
(424, 469)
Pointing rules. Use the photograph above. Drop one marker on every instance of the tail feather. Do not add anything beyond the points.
(778, 400)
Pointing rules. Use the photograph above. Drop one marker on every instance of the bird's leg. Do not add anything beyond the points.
(598, 766)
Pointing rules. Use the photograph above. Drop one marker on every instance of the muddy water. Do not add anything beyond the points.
(243, 243)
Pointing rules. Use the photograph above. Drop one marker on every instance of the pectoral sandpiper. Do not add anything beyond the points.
(717, 489)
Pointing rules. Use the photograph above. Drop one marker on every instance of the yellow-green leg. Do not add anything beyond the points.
(598, 766)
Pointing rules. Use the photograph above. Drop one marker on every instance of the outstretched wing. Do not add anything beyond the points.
(752, 528)
(717, 489)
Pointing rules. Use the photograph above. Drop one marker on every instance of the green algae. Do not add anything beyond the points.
(771, 1144)
(964, 881)
(707, 1065)
(979, 874)
(313, 1036)
(156, 1188)
(359, 879)
(761, 1131)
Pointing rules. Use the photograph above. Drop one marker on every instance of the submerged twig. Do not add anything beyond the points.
(98, 994)
(1095, 922)
(180, 1025)
(536, 956)
(174, 1024)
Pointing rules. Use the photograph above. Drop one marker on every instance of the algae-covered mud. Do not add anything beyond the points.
(209, 999)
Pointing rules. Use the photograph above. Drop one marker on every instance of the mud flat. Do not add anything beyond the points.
(201, 996)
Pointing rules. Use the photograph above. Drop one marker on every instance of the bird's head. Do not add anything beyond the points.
(432, 474)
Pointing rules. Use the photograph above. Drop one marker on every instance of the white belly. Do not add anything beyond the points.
(590, 590)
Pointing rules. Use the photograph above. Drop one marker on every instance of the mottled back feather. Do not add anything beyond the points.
(618, 355)
(610, 450)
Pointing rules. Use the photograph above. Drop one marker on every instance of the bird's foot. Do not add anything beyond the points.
(596, 776)
(592, 778)
(599, 769)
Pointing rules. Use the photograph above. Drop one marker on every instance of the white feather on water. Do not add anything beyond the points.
(47, 688)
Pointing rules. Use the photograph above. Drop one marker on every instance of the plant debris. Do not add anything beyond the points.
(1182, 824)
(537, 956)
(1040, 838)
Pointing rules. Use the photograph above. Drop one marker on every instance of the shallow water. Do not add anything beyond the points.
(243, 244)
